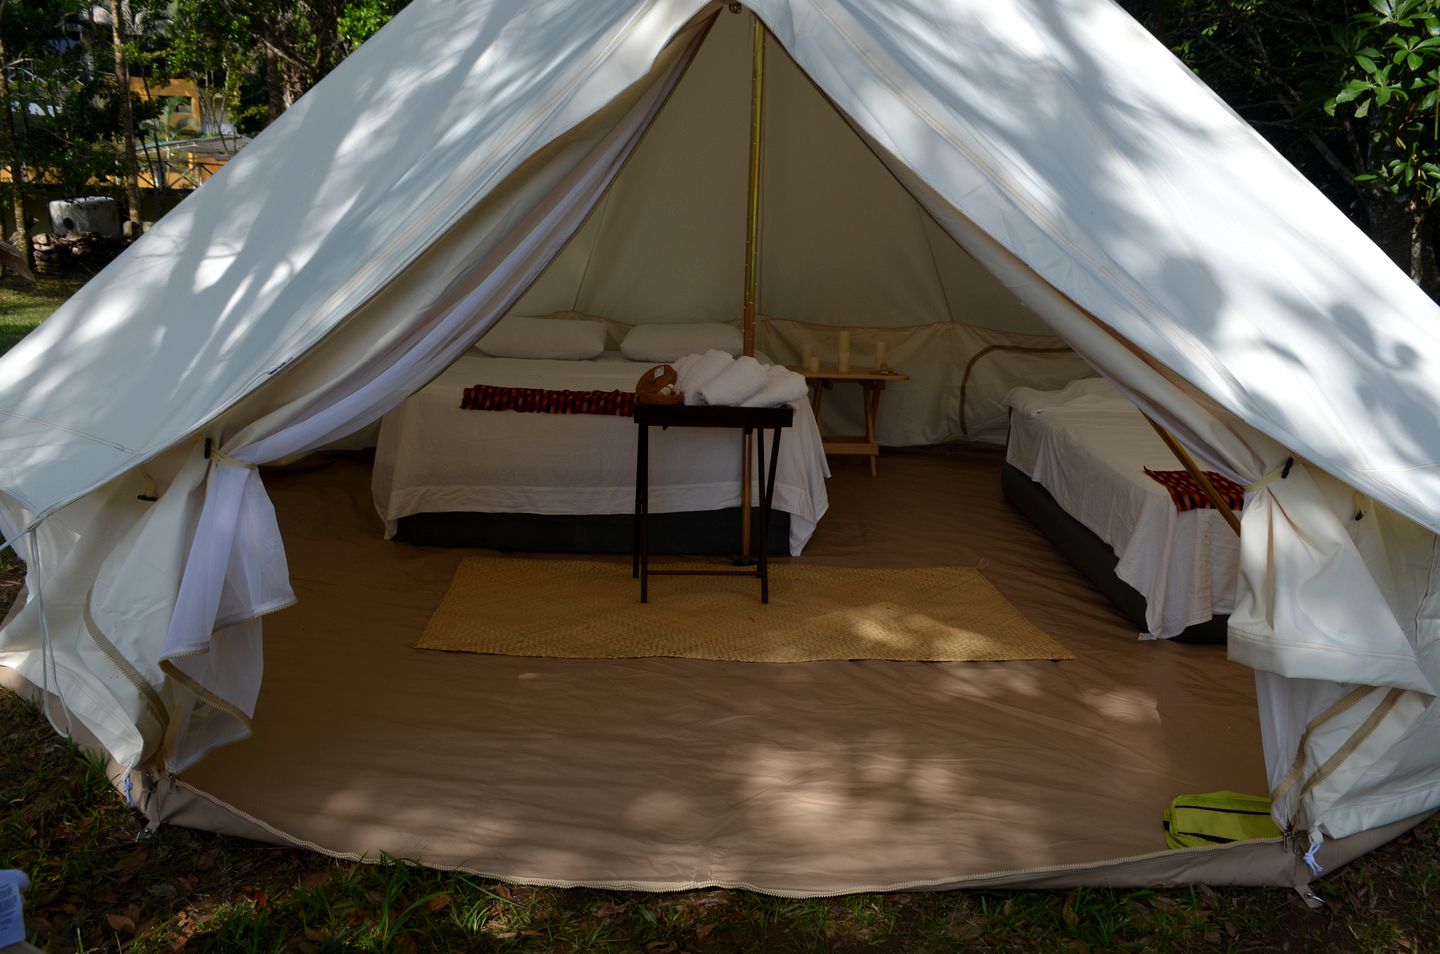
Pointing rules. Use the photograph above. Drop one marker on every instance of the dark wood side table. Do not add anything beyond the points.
(871, 383)
(746, 419)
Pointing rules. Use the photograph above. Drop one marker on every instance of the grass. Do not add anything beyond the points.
(96, 888)
(24, 305)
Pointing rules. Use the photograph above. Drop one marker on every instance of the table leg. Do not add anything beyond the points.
(764, 519)
(747, 501)
(872, 411)
(640, 473)
(768, 500)
(643, 518)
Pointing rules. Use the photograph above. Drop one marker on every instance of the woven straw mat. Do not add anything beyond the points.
(584, 609)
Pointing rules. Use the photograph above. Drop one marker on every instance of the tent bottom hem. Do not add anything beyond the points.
(1263, 863)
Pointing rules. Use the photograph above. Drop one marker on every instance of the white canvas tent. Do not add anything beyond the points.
(360, 244)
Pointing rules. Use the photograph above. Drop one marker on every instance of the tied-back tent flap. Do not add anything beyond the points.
(943, 175)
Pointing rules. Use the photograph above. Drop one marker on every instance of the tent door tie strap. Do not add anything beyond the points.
(214, 453)
(151, 491)
(1279, 473)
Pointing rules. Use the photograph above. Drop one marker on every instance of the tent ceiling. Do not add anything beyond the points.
(843, 243)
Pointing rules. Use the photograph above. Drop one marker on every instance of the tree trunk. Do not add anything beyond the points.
(273, 90)
(131, 172)
(13, 157)
(1400, 226)
(294, 85)
(1429, 246)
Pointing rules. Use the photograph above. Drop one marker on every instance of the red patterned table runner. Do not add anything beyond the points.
(489, 397)
(1187, 493)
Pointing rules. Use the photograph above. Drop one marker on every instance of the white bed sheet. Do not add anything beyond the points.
(434, 457)
(1089, 447)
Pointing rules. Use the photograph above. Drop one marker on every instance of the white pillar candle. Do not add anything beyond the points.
(879, 355)
(809, 353)
(843, 364)
(812, 364)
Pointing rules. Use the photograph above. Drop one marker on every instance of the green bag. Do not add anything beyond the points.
(1216, 818)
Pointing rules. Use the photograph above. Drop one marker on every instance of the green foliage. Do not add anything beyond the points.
(64, 105)
(68, 129)
(249, 59)
(219, 50)
(1388, 60)
(1347, 90)
(358, 22)
(267, 53)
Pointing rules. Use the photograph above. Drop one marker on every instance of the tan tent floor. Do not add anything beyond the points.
(667, 773)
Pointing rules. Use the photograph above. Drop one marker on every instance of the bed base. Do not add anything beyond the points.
(704, 532)
(1091, 555)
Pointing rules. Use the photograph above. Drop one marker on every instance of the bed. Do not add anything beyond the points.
(1075, 464)
(541, 481)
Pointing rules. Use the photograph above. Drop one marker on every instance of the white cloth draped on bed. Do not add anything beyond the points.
(1089, 446)
(434, 457)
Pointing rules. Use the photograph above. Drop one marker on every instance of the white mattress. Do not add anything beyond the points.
(434, 457)
(1089, 447)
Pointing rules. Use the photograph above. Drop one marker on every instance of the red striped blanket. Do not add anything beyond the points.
(1187, 493)
(490, 397)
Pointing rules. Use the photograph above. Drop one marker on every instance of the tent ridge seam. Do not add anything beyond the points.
(68, 429)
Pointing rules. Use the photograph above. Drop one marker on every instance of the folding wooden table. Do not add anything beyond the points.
(871, 384)
(747, 420)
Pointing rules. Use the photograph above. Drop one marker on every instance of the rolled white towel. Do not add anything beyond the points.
(682, 366)
(781, 387)
(701, 372)
(743, 379)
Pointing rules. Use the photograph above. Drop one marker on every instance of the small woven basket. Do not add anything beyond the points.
(657, 386)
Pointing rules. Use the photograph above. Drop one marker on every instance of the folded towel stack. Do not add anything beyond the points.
(743, 379)
(694, 371)
(716, 378)
(781, 387)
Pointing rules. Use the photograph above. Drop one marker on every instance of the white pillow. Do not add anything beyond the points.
(517, 337)
(671, 342)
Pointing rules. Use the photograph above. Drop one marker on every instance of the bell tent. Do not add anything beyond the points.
(944, 176)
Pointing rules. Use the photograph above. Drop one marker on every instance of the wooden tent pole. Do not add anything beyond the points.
(752, 206)
(752, 261)
(1201, 480)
